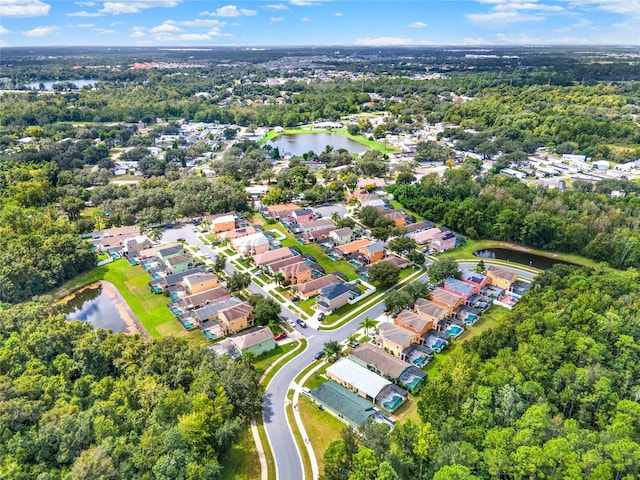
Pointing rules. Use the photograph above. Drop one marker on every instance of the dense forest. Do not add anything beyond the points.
(86, 404)
(585, 219)
(550, 393)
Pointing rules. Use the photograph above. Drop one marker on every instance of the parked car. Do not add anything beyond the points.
(300, 322)
(320, 316)
(291, 322)
(280, 336)
(319, 355)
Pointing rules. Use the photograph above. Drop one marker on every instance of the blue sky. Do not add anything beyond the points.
(319, 22)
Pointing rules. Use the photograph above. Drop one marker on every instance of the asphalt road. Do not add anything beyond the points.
(287, 458)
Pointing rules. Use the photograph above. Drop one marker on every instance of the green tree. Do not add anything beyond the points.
(444, 268)
(384, 272)
(367, 324)
(238, 281)
(333, 350)
(219, 263)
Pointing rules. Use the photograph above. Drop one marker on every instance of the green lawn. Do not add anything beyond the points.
(265, 361)
(307, 305)
(398, 206)
(322, 260)
(242, 462)
(306, 463)
(151, 309)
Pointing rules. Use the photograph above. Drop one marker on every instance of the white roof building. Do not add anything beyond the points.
(358, 378)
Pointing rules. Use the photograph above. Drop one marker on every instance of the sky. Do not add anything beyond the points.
(318, 22)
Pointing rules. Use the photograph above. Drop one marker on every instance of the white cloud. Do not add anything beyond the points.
(526, 39)
(381, 41)
(474, 41)
(40, 31)
(230, 11)
(113, 24)
(506, 12)
(86, 25)
(85, 4)
(194, 36)
(85, 14)
(276, 6)
(305, 19)
(417, 25)
(165, 27)
(215, 32)
(339, 14)
(138, 32)
(23, 8)
(276, 19)
(502, 18)
(104, 31)
(305, 3)
(117, 8)
(4, 30)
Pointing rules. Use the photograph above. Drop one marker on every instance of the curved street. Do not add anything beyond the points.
(286, 455)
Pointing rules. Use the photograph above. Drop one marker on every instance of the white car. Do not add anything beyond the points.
(291, 322)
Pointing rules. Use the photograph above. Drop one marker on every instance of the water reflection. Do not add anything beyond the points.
(94, 305)
(521, 257)
(304, 142)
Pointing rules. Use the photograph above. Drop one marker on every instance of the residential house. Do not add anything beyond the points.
(387, 365)
(501, 277)
(396, 216)
(344, 404)
(256, 341)
(136, 244)
(113, 237)
(419, 227)
(314, 225)
(443, 241)
(397, 261)
(333, 297)
(297, 272)
(282, 210)
(317, 235)
(210, 312)
(303, 215)
(414, 323)
(374, 252)
(236, 317)
(206, 297)
(225, 347)
(274, 267)
(153, 251)
(222, 223)
(375, 183)
(395, 339)
(423, 237)
(371, 200)
(460, 287)
(166, 253)
(237, 233)
(200, 282)
(353, 247)
(251, 245)
(431, 311)
(313, 287)
(180, 263)
(475, 278)
(341, 236)
(367, 384)
(272, 256)
(174, 279)
(446, 299)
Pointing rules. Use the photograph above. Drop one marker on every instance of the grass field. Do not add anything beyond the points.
(322, 260)
(151, 309)
(398, 206)
(242, 462)
(264, 361)
(322, 427)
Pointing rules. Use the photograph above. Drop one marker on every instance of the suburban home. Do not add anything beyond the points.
(180, 263)
(443, 241)
(431, 311)
(475, 278)
(333, 297)
(165, 253)
(501, 277)
(272, 256)
(225, 347)
(222, 223)
(397, 261)
(367, 384)
(251, 244)
(237, 233)
(117, 233)
(449, 300)
(353, 247)
(206, 297)
(414, 323)
(418, 227)
(371, 200)
(297, 272)
(283, 210)
(303, 215)
(460, 287)
(236, 317)
(200, 282)
(135, 245)
(274, 267)
(398, 217)
(153, 251)
(174, 279)
(341, 236)
(375, 183)
(348, 406)
(395, 339)
(317, 235)
(314, 225)
(374, 252)
(425, 236)
(256, 341)
(313, 287)
(210, 312)
(387, 365)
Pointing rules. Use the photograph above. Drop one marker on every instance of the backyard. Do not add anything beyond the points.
(325, 262)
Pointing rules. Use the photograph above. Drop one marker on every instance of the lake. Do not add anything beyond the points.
(523, 258)
(303, 142)
(98, 305)
(48, 85)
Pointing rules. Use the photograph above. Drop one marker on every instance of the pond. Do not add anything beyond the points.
(99, 304)
(521, 257)
(303, 142)
(48, 85)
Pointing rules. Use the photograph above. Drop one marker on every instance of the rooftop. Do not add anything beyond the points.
(313, 285)
(371, 384)
(442, 296)
(383, 362)
(395, 334)
(334, 290)
(345, 402)
(251, 337)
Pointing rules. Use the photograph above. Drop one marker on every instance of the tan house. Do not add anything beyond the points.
(237, 233)
(153, 251)
(296, 273)
(312, 287)
(236, 317)
(414, 322)
(283, 210)
(395, 339)
(501, 277)
(199, 282)
(396, 216)
(271, 256)
(251, 245)
(449, 300)
(431, 311)
(206, 297)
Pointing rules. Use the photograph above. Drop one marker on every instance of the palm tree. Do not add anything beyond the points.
(279, 278)
(155, 234)
(353, 339)
(367, 323)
